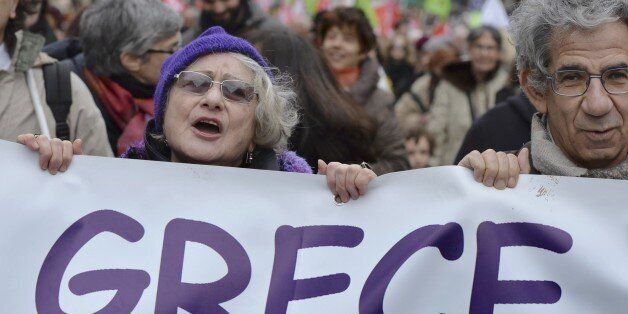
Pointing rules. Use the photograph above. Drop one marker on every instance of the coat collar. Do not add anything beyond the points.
(367, 81)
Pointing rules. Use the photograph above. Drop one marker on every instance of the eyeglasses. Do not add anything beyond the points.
(484, 48)
(171, 51)
(575, 83)
(199, 83)
(174, 49)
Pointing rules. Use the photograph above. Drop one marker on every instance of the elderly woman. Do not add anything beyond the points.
(125, 43)
(218, 103)
(466, 91)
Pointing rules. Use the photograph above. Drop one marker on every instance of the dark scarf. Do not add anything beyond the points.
(136, 88)
(400, 73)
(398, 69)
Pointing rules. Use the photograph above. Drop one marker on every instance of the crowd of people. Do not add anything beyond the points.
(221, 82)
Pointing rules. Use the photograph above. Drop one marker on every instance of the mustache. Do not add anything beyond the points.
(603, 123)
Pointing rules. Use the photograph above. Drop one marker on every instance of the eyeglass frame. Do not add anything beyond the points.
(485, 48)
(552, 78)
(176, 48)
(245, 101)
(151, 50)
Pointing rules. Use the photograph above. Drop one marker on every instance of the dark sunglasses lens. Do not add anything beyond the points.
(194, 82)
(237, 91)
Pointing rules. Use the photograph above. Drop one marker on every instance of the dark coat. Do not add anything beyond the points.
(388, 147)
(401, 73)
(503, 128)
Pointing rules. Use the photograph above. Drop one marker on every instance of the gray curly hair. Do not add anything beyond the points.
(276, 114)
(534, 22)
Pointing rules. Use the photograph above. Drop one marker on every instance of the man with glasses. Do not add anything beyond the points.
(573, 62)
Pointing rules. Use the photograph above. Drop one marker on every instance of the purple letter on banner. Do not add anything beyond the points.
(449, 240)
(488, 290)
(129, 283)
(288, 241)
(199, 298)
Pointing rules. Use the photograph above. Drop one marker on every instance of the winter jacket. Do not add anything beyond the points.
(503, 128)
(417, 101)
(388, 147)
(17, 112)
(155, 148)
(459, 101)
(255, 22)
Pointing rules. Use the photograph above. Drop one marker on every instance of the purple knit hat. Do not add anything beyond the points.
(213, 40)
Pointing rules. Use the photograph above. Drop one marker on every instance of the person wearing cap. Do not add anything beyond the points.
(218, 103)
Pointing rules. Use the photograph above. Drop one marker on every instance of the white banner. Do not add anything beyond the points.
(122, 235)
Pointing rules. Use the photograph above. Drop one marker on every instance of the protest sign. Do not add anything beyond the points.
(124, 235)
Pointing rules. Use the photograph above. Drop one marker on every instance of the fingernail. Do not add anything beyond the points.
(511, 182)
(489, 182)
(500, 184)
(337, 199)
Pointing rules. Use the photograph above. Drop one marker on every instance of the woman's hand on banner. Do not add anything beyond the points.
(497, 169)
(55, 155)
(346, 181)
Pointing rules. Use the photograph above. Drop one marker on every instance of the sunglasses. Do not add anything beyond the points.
(199, 83)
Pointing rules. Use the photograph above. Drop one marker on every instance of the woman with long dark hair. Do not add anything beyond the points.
(333, 125)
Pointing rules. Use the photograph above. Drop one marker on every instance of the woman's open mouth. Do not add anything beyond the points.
(207, 128)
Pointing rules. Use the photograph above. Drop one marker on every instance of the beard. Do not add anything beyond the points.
(237, 16)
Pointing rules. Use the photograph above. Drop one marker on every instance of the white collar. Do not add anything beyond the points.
(5, 59)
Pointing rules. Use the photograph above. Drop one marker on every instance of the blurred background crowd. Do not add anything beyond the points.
(399, 84)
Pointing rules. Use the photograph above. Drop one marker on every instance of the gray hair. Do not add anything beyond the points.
(534, 23)
(276, 114)
(111, 27)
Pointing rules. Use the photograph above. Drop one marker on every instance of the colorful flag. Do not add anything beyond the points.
(441, 8)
